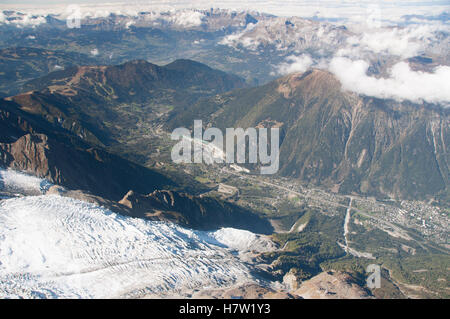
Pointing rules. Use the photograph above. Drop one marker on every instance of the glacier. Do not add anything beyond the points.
(59, 247)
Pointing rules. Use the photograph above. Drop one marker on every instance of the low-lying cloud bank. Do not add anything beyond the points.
(295, 64)
(22, 20)
(403, 83)
(404, 42)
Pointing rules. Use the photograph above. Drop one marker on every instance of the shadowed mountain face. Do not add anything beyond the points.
(193, 211)
(29, 143)
(91, 169)
(345, 142)
(76, 165)
(108, 177)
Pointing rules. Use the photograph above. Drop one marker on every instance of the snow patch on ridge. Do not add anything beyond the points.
(242, 240)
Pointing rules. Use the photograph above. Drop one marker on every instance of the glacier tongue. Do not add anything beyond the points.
(58, 247)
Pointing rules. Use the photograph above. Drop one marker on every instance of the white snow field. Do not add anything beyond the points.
(59, 247)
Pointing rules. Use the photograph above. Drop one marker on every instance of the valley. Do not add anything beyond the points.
(377, 230)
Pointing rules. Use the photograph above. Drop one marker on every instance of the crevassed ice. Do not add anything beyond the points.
(58, 247)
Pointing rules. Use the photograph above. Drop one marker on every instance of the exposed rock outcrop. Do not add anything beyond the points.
(331, 285)
(91, 169)
(245, 291)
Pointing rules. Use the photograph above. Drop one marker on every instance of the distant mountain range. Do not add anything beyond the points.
(19, 65)
(249, 44)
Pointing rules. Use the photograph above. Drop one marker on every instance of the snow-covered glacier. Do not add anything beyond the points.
(60, 247)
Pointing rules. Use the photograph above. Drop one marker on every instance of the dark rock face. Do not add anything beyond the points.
(193, 211)
(92, 169)
(29, 153)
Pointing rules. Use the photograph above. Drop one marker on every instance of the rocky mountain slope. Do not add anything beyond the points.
(137, 80)
(331, 285)
(81, 99)
(337, 139)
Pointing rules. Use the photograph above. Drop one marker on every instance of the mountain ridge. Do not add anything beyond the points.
(134, 74)
(82, 98)
(338, 139)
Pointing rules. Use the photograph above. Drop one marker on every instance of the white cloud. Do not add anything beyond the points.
(94, 52)
(129, 24)
(391, 41)
(186, 18)
(240, 38)
(404, 42)
(403, 83)
(295, 64)
(22, 20)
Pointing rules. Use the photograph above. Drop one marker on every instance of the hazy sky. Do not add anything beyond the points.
(389, 9)
(225, 2)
